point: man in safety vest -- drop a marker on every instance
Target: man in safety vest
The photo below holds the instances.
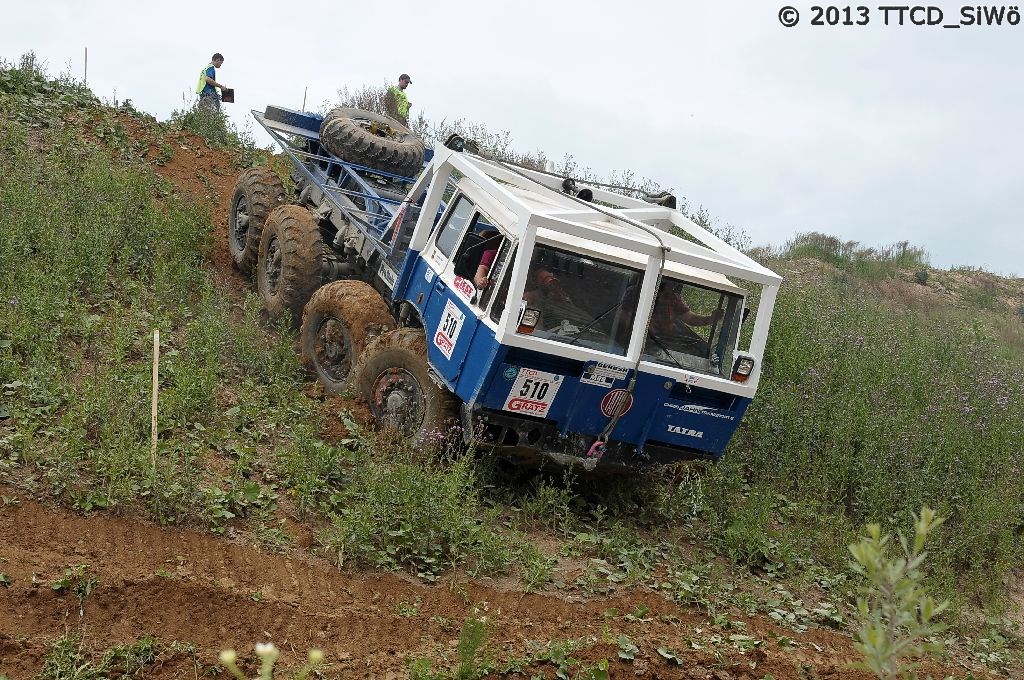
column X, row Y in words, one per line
column 207, row 86
column 398, row 103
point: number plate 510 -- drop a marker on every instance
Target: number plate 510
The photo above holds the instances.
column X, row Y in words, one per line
column 532, row 392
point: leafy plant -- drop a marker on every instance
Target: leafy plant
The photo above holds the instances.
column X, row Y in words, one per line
column 268, row 655
column 409, row 609
column 897, row 615
column 68, row 660
column 396, row 513
column 627, row 649
column 77, row 580
column 470, row 666
column 218, row 132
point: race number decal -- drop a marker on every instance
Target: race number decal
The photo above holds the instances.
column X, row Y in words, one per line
column 532, row 392
column 448, row 332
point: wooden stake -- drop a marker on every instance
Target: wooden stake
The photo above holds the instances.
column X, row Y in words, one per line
column 156, row 385
column 85, row 77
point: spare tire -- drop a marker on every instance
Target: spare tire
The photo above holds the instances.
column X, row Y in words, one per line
column 372, row 139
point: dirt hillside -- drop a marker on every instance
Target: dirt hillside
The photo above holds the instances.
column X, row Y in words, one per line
column 211, row 593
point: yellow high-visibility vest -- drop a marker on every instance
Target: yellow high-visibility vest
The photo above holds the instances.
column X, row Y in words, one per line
column 401, row 101
column 202, row 78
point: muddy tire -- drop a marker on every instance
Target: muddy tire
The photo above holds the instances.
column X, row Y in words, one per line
column 337, row 324
column 290, row 262
column 392, row 376
column 257, row 192
column 372, row 139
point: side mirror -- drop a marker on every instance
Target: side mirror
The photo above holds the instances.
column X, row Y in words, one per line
column 746, row 313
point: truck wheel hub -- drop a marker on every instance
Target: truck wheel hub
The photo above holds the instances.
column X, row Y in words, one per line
column 333, row 349
column 397, row 401
column 241, row 231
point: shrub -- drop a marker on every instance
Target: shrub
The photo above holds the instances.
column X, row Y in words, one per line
column 865, row 261
column 865, row 412
column 896, row 614
column 219, row 133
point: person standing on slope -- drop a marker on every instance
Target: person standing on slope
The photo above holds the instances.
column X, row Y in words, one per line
column 206, row 88
column 398, row 102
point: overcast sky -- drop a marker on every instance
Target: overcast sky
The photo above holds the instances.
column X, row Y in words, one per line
column 871, row 133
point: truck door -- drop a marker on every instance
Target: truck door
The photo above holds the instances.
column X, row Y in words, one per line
column 449, row 316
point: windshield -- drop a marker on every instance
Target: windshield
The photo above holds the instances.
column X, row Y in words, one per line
column 582, row 301
column 693, row 327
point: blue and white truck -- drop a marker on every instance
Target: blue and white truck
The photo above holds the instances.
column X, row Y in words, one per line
column 545, row 318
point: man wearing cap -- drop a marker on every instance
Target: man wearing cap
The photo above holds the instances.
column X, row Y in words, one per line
column 399, row 103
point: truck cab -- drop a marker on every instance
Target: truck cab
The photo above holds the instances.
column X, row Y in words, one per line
column 607, row 330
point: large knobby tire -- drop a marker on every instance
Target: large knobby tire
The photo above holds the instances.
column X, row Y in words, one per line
column 257, row 192
column 391, row 374
column 372, row 139
column 339, row 321
column 290, row 263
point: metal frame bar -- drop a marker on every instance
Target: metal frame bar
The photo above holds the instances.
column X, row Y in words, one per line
column 388, row 206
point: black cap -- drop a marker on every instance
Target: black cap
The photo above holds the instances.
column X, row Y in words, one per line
column 405, row 76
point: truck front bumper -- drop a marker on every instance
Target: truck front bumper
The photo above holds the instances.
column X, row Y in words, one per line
column 532, row 441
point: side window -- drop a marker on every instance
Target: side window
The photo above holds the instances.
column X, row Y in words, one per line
column 478, row 248
column 502, row 276
column 453, row 227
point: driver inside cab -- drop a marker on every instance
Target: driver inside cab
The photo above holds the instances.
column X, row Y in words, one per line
column 558, row 312
column 673, row 317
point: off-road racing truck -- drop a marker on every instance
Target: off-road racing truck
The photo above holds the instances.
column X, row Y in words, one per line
column 602, row 329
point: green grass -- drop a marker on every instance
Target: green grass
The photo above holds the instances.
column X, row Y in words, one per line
column 85, row 281
column 68, row 660
column 866, row 262
column 400, row 513
column 94, row 255
column 220, row 133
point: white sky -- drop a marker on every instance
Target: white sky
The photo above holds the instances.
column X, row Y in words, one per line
column 871, row 133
